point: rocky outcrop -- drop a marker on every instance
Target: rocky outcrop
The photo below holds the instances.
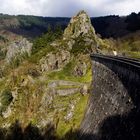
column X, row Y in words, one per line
column 70, row 111
column 64, row 88
column 78, row 38
column 79, row 25
column 66, row 92
column 54, row 61
column 57, row 83
column 80, row 32
column 17, row 49
column 80, row 69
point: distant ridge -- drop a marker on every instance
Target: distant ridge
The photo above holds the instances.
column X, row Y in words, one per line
column 32, row 26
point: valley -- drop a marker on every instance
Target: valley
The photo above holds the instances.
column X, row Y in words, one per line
column 46, row 71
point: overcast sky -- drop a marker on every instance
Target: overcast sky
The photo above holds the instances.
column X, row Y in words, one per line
column 69, row 8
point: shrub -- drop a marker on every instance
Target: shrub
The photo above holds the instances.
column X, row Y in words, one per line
column 44, row 41
column 5, row 99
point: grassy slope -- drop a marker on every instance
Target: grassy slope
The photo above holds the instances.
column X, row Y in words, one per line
column 29, row 97
column 130, row 45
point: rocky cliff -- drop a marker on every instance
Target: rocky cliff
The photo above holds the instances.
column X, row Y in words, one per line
column 78, row 38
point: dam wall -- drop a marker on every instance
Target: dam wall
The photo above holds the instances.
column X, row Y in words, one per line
column 113, row 111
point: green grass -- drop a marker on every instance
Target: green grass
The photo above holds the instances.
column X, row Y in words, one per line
column 61, row 75
column 130, row 46
column 41, row 53
column 66, row 74
column 63, row 126
column 134, row 54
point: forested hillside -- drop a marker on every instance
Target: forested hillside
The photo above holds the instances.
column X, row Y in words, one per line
column 32, row 26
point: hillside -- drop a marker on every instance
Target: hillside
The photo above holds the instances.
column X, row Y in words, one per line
column 45, row 78
column 114, row 28
column 45, row 85
column 32, row 26
column 129, row 45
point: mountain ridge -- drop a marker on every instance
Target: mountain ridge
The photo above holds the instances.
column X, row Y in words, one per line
column 107, row 26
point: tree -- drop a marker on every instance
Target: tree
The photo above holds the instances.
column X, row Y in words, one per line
column 47, row 38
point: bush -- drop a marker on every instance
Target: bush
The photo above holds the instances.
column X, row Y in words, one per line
column 2, row 54
column 5, row 99
column 33, row 72
column 44, row 41
column 17, row 60
column 135, row 46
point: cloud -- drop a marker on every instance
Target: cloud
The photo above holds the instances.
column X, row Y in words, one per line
column 69, row 7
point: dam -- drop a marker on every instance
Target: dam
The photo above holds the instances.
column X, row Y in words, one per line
column 113, row 110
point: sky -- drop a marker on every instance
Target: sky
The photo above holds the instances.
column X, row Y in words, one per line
column 68, row 8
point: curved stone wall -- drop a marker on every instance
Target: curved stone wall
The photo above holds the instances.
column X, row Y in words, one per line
column 113, row 111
